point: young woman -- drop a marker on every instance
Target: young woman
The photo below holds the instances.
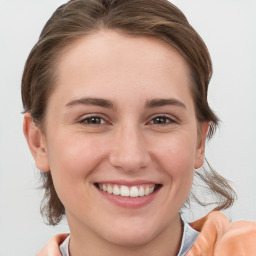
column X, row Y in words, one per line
column 116, row 118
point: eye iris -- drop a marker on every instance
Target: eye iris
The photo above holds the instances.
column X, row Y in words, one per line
column 94, row 120
column 160, row 120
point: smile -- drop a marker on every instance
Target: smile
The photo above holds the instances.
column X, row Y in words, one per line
column 128, row 191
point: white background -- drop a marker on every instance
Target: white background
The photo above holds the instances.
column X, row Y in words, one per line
column 229, row 30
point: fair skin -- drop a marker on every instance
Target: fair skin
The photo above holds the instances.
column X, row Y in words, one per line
column 122, row 114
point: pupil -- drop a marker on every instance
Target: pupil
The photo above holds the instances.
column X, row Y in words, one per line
column 160, row 120
column 95, row 120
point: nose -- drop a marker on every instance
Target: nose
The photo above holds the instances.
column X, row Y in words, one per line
column 129, row 151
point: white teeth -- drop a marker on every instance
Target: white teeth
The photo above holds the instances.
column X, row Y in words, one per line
column 125, row 191
column 109, row 189
column 141, row 191
column 116, row 190
column 134, row 191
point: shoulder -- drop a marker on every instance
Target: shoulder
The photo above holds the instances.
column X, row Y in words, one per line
column 238, row 239
column 220, row 237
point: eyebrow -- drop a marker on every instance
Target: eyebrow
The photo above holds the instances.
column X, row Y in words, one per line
column 163, row 102
column 91, row 101
column 109, row 104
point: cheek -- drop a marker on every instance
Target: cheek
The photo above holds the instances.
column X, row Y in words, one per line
column 72, row 159
column 180, row 170
column 175, row 158
column 76, row 154
column 177, row 155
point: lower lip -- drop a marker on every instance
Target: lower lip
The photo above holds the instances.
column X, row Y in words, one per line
column 129, row 202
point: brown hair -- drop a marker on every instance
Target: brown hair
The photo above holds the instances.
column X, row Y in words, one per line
column 155, row 18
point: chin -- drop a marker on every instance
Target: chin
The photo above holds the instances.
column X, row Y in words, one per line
column 131, row 237
column 130, row 240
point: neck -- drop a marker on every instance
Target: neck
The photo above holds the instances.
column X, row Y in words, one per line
column 86, row 242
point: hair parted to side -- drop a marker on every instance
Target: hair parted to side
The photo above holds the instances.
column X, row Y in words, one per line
column 154, row 18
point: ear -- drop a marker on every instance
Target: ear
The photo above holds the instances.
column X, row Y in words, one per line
column 199, row 161
column 36, row 143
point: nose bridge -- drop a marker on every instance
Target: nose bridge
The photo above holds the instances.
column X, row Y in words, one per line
column 129, row 151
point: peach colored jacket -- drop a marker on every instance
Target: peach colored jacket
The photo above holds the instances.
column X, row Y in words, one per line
column 219, row 237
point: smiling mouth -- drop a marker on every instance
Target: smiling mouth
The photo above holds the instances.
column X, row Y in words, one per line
column 128, row 191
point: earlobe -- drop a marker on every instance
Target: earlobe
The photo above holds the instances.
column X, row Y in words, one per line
column 36, row 143
column 199, row 161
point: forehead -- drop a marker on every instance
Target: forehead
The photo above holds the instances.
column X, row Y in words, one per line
column 117, row 46
column 107, row 61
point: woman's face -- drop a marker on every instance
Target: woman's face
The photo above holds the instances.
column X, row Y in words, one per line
column 122, row 119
